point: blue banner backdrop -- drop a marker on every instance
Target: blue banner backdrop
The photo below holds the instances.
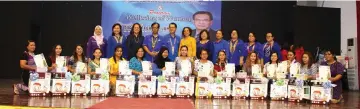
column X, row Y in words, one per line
column 164, row 12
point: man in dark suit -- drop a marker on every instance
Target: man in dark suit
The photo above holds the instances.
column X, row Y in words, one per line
column 203, row 21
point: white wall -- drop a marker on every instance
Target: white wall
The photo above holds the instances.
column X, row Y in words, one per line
column 348, row 19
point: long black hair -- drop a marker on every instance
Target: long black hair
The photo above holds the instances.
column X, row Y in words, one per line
column 53, row 53
column 132, row 29
column 121, row 57
column 160, row 60
column 116, row 24
column 82, row 54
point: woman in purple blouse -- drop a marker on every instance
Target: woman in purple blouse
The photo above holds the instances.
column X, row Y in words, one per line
column 204, row 43
column 96, row 41
column 336, row 69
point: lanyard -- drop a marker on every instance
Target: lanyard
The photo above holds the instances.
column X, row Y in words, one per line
column 153, row 43
column 233, row 45
column 172, row 45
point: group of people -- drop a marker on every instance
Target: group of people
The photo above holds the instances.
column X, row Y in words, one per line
column 159, row 49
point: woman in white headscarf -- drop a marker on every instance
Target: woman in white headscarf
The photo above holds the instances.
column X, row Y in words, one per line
column 96, row 41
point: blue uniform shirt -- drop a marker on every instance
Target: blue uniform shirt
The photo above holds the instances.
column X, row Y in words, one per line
column 221, row 45
column 171, row 42
column 267, row 50
column 112, row 43
column 238, row 51
column 148, row 43
column 257, row 47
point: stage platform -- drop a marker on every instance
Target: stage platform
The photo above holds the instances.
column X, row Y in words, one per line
column 8, row 100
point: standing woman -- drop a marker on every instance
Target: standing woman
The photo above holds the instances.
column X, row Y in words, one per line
column 78, row 56
column 96, row 41
column 134, row 40
column 220, row 62
column 269, row 46
column 336, row 69
column 252, row 45
column 219, row 45
column 237, row 50
column 204, row 43
column 114, row 62
column 251, row 60
column 308, row 66
column 159, row 62
column 51, row 61
column 95, row 61
column 184, row 57
column 115, row 39
column 27, row 65
column 189, row 42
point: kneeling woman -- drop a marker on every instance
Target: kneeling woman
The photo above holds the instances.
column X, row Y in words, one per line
column 336, row 69
column 136, row 66
column 27, row 65
column 114, row 62
column 159, row 63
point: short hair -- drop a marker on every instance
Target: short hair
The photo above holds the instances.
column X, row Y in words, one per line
column 203, row 12
column 155, row 24
column 207, row 33
column 172, row 23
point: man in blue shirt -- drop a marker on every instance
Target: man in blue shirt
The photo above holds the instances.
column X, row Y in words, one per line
column 172, row 41
column 269, row 46
column 152, row 43
column 220, row 44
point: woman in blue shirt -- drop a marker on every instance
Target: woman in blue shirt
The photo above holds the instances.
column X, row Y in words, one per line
column 219, row 45
column 252, row 45
column 114, row 40
column 269, row 46
column 204, row 43
column 236, row 50
column 159, row 63
column 135, row 62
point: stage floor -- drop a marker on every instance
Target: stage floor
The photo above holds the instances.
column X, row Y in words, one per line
column 351, row 101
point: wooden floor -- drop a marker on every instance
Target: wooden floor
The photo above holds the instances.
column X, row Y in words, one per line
column 351, row 101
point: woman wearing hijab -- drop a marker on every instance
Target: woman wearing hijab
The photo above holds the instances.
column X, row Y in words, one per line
column 96, row 41
column 159, row 62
